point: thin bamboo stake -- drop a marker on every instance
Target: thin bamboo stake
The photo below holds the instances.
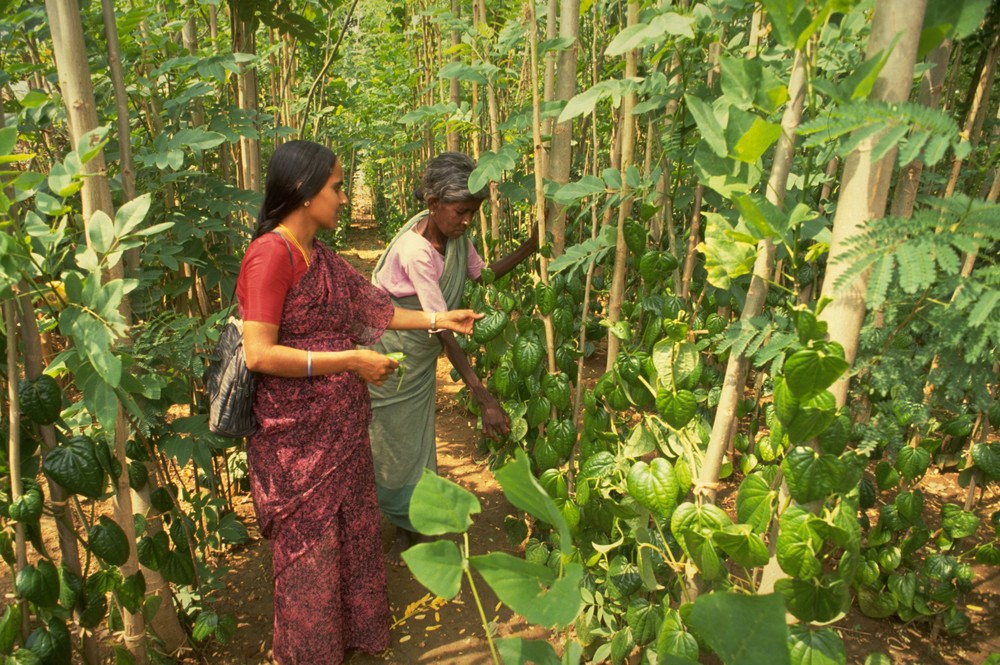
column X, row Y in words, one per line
column 617, row 292
column 14, row 453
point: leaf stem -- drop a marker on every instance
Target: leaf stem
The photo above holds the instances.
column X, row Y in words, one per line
column 479, row 604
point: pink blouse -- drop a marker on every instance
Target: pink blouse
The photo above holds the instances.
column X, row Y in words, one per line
column 414, row 267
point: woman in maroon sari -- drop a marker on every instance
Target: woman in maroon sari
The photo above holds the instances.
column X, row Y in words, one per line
column 305, row 311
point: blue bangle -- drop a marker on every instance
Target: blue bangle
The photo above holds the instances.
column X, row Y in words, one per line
column 309, row 364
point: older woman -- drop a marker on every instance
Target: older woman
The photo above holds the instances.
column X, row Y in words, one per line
column 305, row 311
column 424, row 268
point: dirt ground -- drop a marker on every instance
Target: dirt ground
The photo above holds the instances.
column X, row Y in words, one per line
column 426, row 630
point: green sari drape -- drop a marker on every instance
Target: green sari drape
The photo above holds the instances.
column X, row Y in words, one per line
column 402, row 427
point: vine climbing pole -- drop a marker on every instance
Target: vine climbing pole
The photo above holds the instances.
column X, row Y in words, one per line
column 78, row 95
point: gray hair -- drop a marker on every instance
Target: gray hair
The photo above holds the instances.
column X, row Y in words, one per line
column 447, row 177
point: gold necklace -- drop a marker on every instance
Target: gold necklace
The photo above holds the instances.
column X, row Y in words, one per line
column 295, row 241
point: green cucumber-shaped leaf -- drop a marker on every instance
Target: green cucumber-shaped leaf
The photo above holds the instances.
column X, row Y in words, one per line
column 431, row 493
column 531, row 590
column 644, row 618
column 755, row 503
column 743, row 545
column 108, row 541
column 76, row 467
column 438, row 566
column 654, row 486
column 39, row 583
column 762, row 638
column 811, row 371
column 912, row 462
column 677, row 408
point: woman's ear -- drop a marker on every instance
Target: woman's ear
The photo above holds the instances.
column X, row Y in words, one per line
column 432, row 202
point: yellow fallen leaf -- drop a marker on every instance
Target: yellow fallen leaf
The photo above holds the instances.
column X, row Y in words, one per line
column 420, row 617
column 974, row 608
column 430, row 628
column 404, row 638
column 437, row 617
column 497, row 608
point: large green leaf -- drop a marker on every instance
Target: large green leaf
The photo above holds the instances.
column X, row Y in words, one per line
column 674, row 645
column 437, row 565
column 730, row 251
column 755, row 502
column 644, row 618
column 987, row 457
column 38, row 583
column 912, row 462
column 811, row 476
column 654, row 32
column 820, row 599
column 532, row 590
column 958, row 523
column 571, row 192
column 584, row 102
column 708, row 124
column 758, row 634
column 768, row 219
column 816, row 646
column 131, row 214
column 678, row 365
column 491, row 166
column 811, row 371
column 108, row 541
column 798, row 543
column 744, row 546
column 431, row 495
column 75, row 467
column 654, row 486
column 677, row 408
column 803, row 419
column 756, row 140
column 876, row 604
column 524, row 492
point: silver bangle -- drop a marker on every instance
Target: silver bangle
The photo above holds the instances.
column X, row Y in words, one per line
column 309, row 364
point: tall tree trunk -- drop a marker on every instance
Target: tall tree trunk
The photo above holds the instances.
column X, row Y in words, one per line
column 78, row 95
column 165, row 622
column 617, row 293
column 739, row 364
column 560, row 157
column 865, row 185
column 243, row 28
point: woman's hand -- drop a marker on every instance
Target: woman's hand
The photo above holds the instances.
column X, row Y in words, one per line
column 458, row 320
column 496, row 422
column 373, row 367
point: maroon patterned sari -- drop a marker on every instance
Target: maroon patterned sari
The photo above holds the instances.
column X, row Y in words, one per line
column 312, row 478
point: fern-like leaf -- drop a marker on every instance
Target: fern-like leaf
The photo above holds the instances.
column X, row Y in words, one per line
column 919, row 131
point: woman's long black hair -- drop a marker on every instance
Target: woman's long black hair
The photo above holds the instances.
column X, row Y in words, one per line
column 298, row 170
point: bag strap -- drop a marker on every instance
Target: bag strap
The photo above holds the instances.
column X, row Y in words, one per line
column 291, row 261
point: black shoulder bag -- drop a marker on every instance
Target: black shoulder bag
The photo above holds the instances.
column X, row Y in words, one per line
column 229, row 384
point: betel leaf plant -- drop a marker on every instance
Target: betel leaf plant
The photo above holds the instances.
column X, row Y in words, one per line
column 546, row 595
